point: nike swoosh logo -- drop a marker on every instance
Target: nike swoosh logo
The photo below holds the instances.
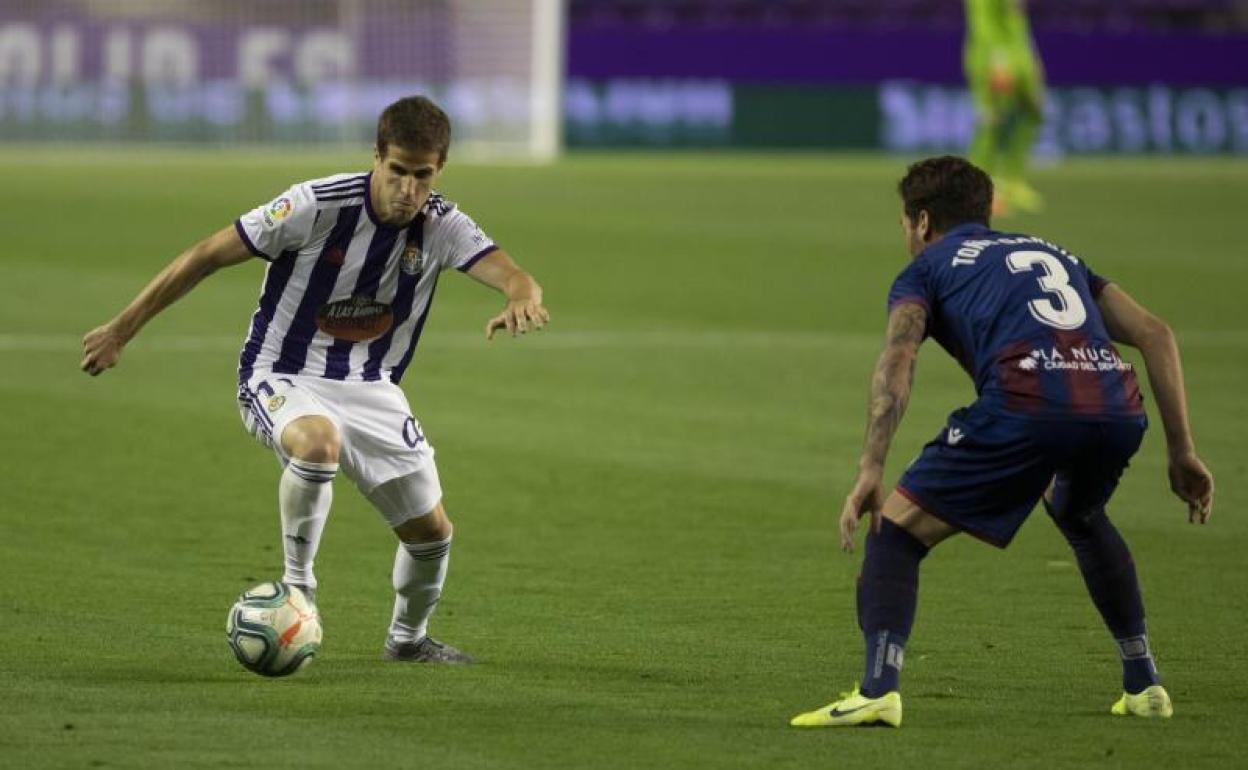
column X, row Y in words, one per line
column 839, row 713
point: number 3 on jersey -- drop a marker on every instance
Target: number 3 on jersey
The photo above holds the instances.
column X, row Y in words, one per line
column 1066, row 313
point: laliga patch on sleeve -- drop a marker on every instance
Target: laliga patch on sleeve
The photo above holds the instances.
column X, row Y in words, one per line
column 277, row 211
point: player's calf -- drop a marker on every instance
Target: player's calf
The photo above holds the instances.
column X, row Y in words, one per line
column 421, row 561
column 1109, row 574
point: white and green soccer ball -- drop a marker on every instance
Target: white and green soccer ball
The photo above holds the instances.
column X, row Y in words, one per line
column 273, row 629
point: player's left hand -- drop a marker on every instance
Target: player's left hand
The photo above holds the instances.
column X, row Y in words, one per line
column 867, row 496
column 518, row 317
column 101, row 347
column 1192, row 482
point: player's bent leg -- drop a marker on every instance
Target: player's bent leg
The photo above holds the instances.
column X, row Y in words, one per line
column 430, row 527
column 887, row 598
column 313, row 438
column 921, row 525
column 888, row 588
column 420, row 566
column 1109, row 573
column 310, row 445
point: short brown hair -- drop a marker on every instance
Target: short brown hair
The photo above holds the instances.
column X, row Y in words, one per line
column 414, row 123
column 950, row 189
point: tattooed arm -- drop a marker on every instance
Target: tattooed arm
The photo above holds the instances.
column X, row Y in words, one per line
column 890, row 392
column 890, row 385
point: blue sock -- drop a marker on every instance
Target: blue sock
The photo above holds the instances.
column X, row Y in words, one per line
column 887, row 594
column 1138, row 669
column 1109, row 573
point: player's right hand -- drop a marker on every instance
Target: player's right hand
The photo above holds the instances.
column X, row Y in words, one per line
column 101, row 347
column 867, row 496
column 1193, row 483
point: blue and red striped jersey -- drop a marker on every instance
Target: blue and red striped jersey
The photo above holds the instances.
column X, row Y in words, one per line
column 1020, row 315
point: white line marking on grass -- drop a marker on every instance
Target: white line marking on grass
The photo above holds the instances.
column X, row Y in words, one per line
column 569, row 340
column 584, row 340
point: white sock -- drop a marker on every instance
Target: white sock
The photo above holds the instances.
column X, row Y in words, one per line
column 419, row 572
column 304, row 495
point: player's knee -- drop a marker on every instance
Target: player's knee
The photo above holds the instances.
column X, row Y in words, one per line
column 313, row 438
column 1075, row 523
column 426, row 527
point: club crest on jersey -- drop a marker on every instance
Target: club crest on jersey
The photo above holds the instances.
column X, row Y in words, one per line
column 358, row 318
column 277, row 211
column 276, row 402
column 413, row 260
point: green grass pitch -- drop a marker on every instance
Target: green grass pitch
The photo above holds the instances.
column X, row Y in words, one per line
column 645, row 495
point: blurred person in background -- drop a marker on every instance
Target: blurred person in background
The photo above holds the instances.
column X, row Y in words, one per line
column 1006, row 80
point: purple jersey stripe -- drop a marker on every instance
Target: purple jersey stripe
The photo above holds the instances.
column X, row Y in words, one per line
column 475, row 258
column 340, row 195
column 326, row 186
column 275, row 279
column 320, row 285
column 242, row 233
column 396, row 374
column 402, row 303
column 338, row 358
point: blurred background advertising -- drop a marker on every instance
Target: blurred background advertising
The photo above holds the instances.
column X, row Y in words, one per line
column 530, row 78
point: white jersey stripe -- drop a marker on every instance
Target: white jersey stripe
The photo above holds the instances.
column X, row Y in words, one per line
column 345, row 295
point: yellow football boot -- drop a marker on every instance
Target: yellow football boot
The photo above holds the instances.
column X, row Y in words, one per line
column 1152, row 702
column 853, row 709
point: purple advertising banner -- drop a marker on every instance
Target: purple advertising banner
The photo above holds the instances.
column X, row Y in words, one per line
column 279, row 70
column 823, row 56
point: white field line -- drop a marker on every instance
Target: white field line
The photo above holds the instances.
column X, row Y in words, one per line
column 561, row 340
column 548, row 340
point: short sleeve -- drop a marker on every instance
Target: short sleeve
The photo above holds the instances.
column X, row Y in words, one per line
column 1096, row 283
column 280, row 225
column 913, row 287
column 462, row 242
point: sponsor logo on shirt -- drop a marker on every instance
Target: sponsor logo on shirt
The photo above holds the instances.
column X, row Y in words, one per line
column 358, row 318
column 1080, row 359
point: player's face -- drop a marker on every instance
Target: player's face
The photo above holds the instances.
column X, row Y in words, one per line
column 402, row 181
column 916, row 232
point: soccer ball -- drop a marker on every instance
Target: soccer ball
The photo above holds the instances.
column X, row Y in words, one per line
column 273, row 629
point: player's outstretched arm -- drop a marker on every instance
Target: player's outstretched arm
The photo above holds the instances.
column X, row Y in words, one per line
column 102, row 346
column 890, row 393
column 1130, row 323
column 524, row 309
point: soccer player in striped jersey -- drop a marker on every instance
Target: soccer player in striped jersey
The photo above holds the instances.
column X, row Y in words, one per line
column 1058, row 416
column 353, row 261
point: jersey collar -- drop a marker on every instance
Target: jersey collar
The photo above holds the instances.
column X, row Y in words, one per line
column 968, row 228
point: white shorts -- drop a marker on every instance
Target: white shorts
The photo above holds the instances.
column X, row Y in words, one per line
column 381, row 440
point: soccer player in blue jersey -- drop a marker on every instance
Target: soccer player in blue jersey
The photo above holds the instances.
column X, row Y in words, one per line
column 1057, row 418
column 353, row 261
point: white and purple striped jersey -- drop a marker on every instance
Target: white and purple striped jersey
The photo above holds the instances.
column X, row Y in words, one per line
column 345, row 296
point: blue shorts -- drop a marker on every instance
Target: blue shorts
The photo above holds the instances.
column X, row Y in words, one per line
column 984, row 473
